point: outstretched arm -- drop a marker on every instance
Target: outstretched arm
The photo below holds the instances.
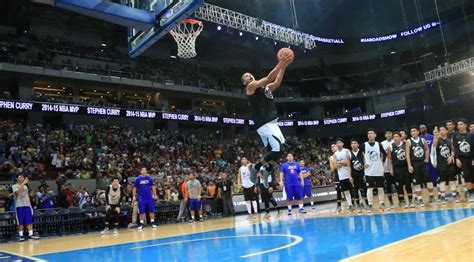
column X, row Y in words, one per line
column 275, row 84
column 266, row 80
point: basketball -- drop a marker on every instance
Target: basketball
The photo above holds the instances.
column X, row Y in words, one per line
column 286, row 54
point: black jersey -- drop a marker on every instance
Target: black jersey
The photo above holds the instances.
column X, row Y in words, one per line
column 357, row 163
column 462, row 144
column 399, row 158
column 417, row 150
column 443, row 152
column 262, row 106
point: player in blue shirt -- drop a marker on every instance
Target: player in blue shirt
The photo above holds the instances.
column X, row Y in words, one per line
column 146, row 197
column 306, row 174
column 290, row 172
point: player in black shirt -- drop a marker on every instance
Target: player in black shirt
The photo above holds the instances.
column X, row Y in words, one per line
column 265, row 115
column 397, row 164
column 471, row 128
column 357, row 167
column 462, row 143
column 418, row 153
column 445, row 163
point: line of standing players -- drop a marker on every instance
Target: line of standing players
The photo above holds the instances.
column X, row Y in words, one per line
column 402, row 166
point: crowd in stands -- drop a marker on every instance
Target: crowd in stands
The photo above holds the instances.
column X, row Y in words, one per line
column 104, row 152
column 60, row 53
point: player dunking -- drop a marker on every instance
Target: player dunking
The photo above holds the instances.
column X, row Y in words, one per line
column 264, row 113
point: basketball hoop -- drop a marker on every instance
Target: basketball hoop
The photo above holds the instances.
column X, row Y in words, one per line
column 185, row 34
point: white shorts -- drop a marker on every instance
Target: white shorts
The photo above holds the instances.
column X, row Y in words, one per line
column 271, row 136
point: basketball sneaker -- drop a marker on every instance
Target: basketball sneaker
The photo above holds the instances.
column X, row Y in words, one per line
column 405, row 204
column 471, row 198
column 34, row 237
column 154, row 225
column 200, row 220
column 412, row 204
column 338, row 209
column 140, row 228
column 444, row 200
column 351, row 209
column 115, row 231
column 431, row 202
column 382, row 207
column 267, row 215
column 21, row 238
column 370, row 208
column 421, row 203
column 302, row 211
column 457, row 199
column 289, row 212
column 105, row 231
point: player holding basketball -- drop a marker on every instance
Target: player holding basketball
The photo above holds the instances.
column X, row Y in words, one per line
column 146, row 197
column 290, row 173
column 264, row 111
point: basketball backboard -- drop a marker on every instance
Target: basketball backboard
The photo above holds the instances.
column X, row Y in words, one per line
column 168, row 14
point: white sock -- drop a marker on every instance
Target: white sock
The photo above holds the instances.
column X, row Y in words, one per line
column 141, row 222
column 442, row 188
column 381, row 194
column 300, row 205
column 312, row 203
column 452, row 186
column 430, row 188
column 249, row 207
column 254, row 204
column 370, row 195
column 348, row 197
column 20, row 233
column 30, row 233
column 152, row 220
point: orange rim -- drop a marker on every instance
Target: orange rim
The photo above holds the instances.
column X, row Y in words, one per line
column 191, row 21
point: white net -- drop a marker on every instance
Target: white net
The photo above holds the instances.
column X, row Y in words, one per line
column 185, row 34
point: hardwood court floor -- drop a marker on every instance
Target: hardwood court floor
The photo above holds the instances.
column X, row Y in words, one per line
column 445, row 233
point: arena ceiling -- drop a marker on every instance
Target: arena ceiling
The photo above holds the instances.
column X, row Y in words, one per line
column 352, row 18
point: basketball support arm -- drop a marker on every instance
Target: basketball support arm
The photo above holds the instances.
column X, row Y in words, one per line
column 257, row 26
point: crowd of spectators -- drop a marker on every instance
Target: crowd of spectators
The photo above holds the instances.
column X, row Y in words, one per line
column 104, row 152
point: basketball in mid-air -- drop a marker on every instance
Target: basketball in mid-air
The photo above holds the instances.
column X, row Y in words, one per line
column 286, row 54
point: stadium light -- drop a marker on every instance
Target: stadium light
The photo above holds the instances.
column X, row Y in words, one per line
column 219, row 28
column 241, row 34
column 256, row 38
